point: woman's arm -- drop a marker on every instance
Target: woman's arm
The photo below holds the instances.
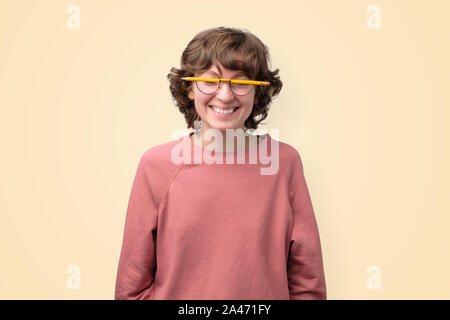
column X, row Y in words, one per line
column 305, row 266
column 137, row 264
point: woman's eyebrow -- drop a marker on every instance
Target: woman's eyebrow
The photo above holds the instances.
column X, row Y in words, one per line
column 239, row 73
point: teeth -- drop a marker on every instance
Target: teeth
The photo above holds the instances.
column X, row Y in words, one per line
column 222, row 111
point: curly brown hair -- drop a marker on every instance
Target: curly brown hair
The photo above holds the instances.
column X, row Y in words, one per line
column 235, row 49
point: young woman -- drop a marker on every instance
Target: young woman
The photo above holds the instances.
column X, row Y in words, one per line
column 218, row 230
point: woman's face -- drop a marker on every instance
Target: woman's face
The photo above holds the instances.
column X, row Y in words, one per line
column 223, row 99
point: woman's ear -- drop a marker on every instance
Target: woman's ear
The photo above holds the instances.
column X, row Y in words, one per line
column 191, row 94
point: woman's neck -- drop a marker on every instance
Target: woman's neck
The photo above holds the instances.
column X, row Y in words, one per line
column 199, row 139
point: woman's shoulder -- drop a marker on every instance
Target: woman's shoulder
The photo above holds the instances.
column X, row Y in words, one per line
column 160, row 154
column 287, row 152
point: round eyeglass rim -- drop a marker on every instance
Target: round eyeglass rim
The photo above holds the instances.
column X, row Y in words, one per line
column 218, row 87
column 220, row 83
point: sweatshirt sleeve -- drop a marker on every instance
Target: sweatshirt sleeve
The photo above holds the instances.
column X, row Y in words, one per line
column 306, row 279
column 137, row 263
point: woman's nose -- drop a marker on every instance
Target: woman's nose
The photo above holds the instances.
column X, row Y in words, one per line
column 225, row 91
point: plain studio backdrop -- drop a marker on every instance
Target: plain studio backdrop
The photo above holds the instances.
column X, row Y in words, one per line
column 365, row 101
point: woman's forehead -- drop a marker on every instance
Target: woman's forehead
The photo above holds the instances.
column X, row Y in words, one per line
column 232, row 73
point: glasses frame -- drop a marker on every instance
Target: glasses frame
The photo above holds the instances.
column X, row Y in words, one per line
column 229, row 81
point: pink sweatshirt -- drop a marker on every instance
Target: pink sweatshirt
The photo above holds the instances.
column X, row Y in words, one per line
column 219, row 231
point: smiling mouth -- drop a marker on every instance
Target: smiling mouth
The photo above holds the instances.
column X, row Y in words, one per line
column 223, row 111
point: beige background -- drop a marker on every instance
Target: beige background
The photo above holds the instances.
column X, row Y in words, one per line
column 368, row 110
